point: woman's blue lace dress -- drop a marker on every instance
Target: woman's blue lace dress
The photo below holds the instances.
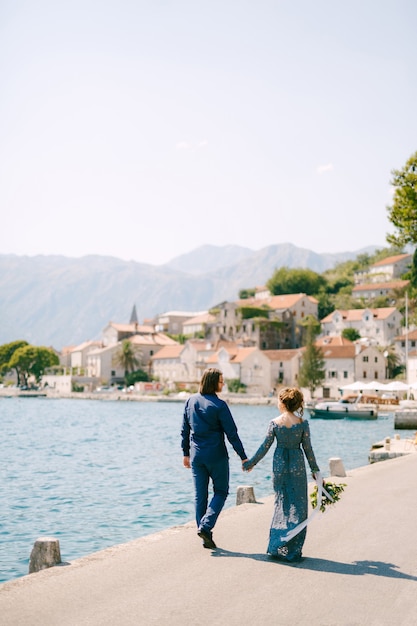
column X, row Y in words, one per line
column 290, row 484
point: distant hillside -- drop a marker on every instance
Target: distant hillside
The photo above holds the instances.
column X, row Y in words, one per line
column 59, row 301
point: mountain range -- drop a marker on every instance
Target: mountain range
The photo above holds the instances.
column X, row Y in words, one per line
column 59, row 301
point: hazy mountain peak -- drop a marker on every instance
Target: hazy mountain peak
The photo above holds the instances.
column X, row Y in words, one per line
column 59, row 301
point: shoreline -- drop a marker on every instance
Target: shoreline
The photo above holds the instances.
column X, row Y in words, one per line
column 136, row 397
column 130, row 397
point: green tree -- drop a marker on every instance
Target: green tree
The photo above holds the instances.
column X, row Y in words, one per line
column 285, row 280
column 32, row 361
column 413, row 272
column 403, row 212
column 6, row 352
column 394, row 365
column 312, row 370
column 244, row 294
column 138, row 376
column 351, row 333
column 128, row 357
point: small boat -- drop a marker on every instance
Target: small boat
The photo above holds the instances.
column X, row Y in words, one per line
column 346, row 408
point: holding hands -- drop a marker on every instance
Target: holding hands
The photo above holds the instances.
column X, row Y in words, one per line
column 246, row 467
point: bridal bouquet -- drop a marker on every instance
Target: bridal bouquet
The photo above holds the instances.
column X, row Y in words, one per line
column 333, row 490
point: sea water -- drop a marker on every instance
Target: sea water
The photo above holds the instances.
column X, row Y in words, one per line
column 96, row 473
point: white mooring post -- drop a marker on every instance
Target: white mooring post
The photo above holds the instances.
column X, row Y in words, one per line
column 45, row 553
column 336, row 467
column 245, row 494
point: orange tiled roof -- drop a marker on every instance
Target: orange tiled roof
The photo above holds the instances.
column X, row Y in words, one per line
column 355, row 315
column 412, row 334
column 169, row 352
column 132, row 328
column 391, row 260
column 158, row 339
column 392, row 284
column 285, row 301
column 333, row 341
column 282, row 355
column 200, row 319
column 243, row 354
column 338, row 352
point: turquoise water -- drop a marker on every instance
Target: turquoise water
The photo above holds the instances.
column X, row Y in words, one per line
column 96, row 473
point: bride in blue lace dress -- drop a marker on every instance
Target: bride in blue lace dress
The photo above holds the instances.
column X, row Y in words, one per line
column 292, row 436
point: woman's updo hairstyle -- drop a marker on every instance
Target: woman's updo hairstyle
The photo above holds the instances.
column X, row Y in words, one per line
column 292, row 399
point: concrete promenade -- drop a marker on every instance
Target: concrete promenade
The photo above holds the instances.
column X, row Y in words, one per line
column 360, row 569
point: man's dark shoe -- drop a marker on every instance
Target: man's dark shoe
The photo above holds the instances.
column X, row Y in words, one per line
column 207, row 538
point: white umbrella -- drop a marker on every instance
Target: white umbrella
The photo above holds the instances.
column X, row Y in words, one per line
column 397, row 385
column 356, row 386
column 375, row 385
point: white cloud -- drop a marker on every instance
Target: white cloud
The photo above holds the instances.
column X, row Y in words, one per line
column 183, row 145
column 186, row 145
column 322, row 169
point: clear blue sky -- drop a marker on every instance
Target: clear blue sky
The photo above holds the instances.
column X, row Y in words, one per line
column 144, row 129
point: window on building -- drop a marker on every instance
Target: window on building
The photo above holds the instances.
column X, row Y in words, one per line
column 376, row 359
column 364, row 375
column 365, row 359
column 376, row 375
column 345, row 375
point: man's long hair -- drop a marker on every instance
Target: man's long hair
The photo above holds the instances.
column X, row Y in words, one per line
column 210, row 381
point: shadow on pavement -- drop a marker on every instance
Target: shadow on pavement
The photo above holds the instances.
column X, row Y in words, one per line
column 357, row 568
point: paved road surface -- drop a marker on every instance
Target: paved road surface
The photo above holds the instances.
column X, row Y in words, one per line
column 360, row 568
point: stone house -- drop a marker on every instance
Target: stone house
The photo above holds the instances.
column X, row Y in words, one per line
column 346, row 362
column 197, row 325
column 185, row 364
column 386, row 270
column 78, row 355
column 270, row 323
column 249, row 365
column 405, row 344
column 285, row 365
column 114, row 333
column 173, row 322
column 147, row 346
column 379, row 326
column 370, row 364
column 339, row 363
column 101, row 365
column 102, row 362
column 375, row 290
column 168, row 367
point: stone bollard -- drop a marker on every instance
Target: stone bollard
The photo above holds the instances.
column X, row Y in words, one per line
column 245, row 494
column 45, row 553
column 387, row 444
column 336, row 467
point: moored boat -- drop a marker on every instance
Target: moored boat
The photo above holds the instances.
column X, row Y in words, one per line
column 346, row 408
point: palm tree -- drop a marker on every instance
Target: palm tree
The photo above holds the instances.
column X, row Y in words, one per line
column 128, row 357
